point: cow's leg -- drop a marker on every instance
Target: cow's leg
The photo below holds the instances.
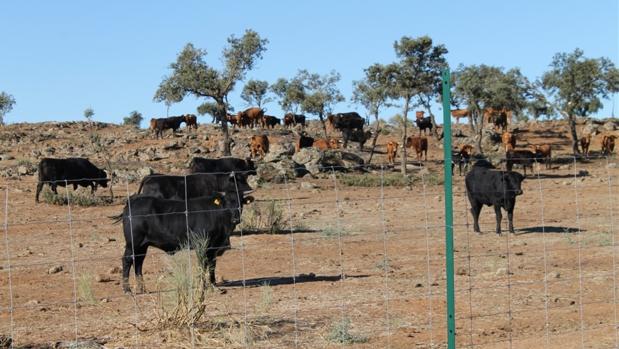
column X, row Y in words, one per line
column 510, row 219
column 425, row 154
column 39, row 187
column 140, row 255
column 127, row 262
column 475, row 211
column 211, row 263
column 499, row 217
column 54, row 187
column 74, row 186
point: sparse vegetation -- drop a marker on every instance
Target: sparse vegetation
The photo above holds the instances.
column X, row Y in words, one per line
column 331, row 232
column 134, row 119
column 260, row 216
column 389, row 180
column 340, row 333
column 84, row 289
column 266, row 299
column 75, row 197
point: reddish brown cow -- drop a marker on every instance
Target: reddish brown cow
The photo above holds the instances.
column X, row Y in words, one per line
column 259, row 145
column 466, row 150
column 323, row 144
column 608, row 144
column 585, row 142
column 459, row 113
column 543, row 151
column 250, row 117
column 231, row 118
column 191, row 121
column 153, row 124
column 420, row 144
column 392, row 150
column 508, row 140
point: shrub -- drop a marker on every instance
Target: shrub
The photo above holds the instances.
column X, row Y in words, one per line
column 263, row 216
column 84, row 289
column 340, row 333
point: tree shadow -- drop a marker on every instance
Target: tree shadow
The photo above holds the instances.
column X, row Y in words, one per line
column 548, row 229
column 288, row 280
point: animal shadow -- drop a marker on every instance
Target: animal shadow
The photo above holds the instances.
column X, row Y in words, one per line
column 548, row 229
column 287, row 280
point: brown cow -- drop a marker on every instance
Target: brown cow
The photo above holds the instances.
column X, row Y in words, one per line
column 323, row 144
column 585, row 142
column 466, row 150
column 608, row 144
column 231, row 118
column 420, row 144
column 392, row 150
column 191, row 121
column 153, row 124
column 419, row 115
column 250, row 117
column 460, row 113
column 259, row 145
column 508, row 140
column 543, row 151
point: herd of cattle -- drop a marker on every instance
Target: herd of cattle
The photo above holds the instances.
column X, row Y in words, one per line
column 171, row 212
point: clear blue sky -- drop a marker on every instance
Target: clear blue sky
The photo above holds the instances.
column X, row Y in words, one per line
column 60, row 57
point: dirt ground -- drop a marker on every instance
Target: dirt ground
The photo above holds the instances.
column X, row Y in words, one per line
column 367, row 261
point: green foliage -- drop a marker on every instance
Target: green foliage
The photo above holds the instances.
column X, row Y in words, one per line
column 134, row 119
column 373, row 91
column 6, row 105
column 255, row 93
column 340, row 333
column 89, row 113
column 388, row 180
column 576, row 83
column 291, row 93
column 398, row 121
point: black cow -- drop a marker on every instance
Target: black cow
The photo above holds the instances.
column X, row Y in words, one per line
column 346, row 121
column 423, row 124
column 356, row 136
column 525, row 158
column 487, row 186
column 76, row 171
column 150, row 221
column 195, row 185
column 162, row 124
column 222, row 165
column 291, row 120
column 271, row 121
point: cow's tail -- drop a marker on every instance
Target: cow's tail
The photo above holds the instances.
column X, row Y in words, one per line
column 116, row 219
column 142, row 184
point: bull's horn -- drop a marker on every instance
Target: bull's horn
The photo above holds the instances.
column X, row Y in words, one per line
column 247, row 192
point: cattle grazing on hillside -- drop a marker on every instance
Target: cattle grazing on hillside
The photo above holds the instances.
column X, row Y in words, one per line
column 543, row 152
column 271, row 121
column 608, row 144
column 490, row 115
column 392, row 150
column 487, row 186
column 231, row 118
column 500, row 121
column 191, row 121
column 222, row 166
column 250, row 117
column 291, row 120
column 304, row 141
column 193, row 185
column 423, row 124
column 525, row 158
column 162, row 124
column 71, row 171
column 509, row 141
column 259, row 145
column 354, row 135
column 346, row 121
column 420, row 145
column 171, row 225
column 585, row 142
column 460, row 113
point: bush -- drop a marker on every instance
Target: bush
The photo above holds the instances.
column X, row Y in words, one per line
column 76, row 198
column 340, row 333
column 134, row 119
column 84, row 289
column 263, row 216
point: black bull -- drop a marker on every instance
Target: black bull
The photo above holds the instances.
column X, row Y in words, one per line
column 488, row 186
column 204, row 224
column 71, row 171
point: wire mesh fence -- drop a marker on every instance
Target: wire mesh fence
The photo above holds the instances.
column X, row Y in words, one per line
column 328, row 262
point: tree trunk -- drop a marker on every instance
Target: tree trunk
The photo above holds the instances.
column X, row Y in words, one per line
column 224, row 128
column 376, row 131
column 479, row 131
column 572, row 122
column 405, row 121
column 324, row 126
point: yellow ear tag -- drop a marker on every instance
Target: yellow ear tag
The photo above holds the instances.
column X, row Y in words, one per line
column 217, row 201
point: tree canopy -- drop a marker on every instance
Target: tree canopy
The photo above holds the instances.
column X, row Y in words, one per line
column 89, row 113
column 134, row 119
column 191, row 75
column 255, row 93
column 291, row 93
column 6, row 105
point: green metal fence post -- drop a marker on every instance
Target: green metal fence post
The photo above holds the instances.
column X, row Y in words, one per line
column 449, row 251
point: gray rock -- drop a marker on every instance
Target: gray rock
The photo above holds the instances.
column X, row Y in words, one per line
column 307, row 155
column 145, row 171
column 279, row 151
column 612, row 165
column 609, row 126
column 22, row 170
column 308, row 185
column 55, row 269
column 591, row 129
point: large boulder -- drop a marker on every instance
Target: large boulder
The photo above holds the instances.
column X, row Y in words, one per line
column 279, row 151
column 591, row 129
column 278, row 172
column 341, row 161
